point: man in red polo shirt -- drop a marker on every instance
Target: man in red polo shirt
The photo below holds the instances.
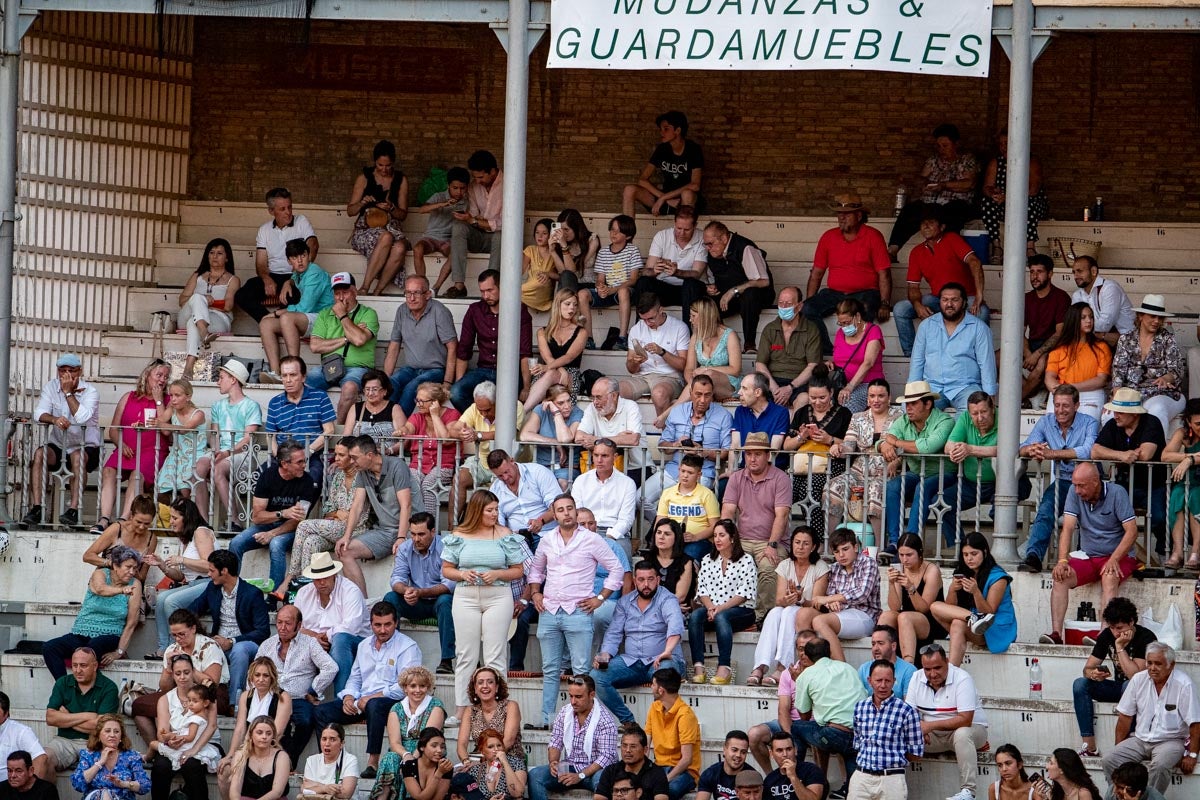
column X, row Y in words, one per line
column 856, row 257
column 943, row 257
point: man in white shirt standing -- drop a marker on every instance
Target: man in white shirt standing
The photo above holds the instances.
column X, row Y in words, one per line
column 1111, row 307
column 69, row 406
column 951, row 714
column 1163, row 700
column 657, row 354
column 673, row 252
column 611, row 496
column 373, row 687
column 611, row 416
column 15, row 736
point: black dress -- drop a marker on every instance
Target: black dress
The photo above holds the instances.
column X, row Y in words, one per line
column 557, row 351
column 812, row 486
column 936, row 631
column 255, row 785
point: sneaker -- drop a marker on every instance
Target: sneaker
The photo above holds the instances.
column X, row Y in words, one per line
column 591, row 344
column 1090, row 641
column 100, row 525
column 622, row 343
column 1088, row 752
column 1031, row 564
column 455, row 293
column 451, row 722
column 1053, row 637
column 839, row 794
column 889, row 554
column 33, row 518
column 269, row 376
column 445, row 667
column 610, row 340
column 369, row 773
column 979, row 624
column 964, row 794
column 70, row 517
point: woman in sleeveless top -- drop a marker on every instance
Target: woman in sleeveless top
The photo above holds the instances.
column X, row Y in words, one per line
column 188, row 570
column 912, row 589
column 676, row 572
column 1184, row 506
column 995, row 184
column 380, row 195
column 206, row 302
column 107, row 616
column 260, row 769
column 538, row 273
column 376, row 415
column 560, row 345
column 715, row 350
column 134, row 533
column 185, row 469
column 1013, row 783
column 140, row 447
column 263, row 698
column 490, row 708
column 574, row 248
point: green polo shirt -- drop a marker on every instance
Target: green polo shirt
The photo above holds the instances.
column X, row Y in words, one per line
column 829, row 689
column 327, row 326
column 965, row 431
column 932, row 439
column 102, row 699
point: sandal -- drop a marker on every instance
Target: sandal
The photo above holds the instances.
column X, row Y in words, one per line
column 1175, row 561
column 755, row 678
column 1193, row 562
column 770, row 680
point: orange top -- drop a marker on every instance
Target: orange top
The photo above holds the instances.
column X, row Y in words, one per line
column 1080, row 363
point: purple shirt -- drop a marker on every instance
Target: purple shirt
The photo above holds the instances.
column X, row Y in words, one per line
column 480, row 326
column 566, row 569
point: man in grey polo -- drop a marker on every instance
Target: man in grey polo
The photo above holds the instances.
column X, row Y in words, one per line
column 387, row 484
column 426, row 329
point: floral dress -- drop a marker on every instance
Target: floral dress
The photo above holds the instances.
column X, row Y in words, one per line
column 319, row 535
column 178, row 470
column 410, row 731
column 1130, row 369
column 867, row 475
column 129, row 767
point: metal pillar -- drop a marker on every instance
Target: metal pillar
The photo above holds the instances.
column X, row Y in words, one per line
column 516, row 122
column 10, row 66
column 1012, row 325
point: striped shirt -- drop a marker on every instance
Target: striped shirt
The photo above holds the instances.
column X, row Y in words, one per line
column 303, row 419
column 886, row 735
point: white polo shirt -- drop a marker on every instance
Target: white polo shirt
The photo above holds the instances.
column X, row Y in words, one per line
column 626, row 419
column 274, row 240
column 1161, row 716
column 15, row 736
column 672, row 336
column 956, row 696
column 691, row 256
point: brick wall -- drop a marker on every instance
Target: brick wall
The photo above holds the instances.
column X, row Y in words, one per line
column 1114, row 114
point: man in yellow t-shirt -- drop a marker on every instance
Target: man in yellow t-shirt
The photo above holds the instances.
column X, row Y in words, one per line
column 674, row 733
column 692, row 505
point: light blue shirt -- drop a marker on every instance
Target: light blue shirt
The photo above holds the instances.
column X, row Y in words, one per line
column 316, row 290
column 1080, row 437
column 644, row 633
column 952, row 363
column 420, row 571
column 537, row 489
column 377, row 670
column 904, row 673
column 232, row 420
column 714, row 432
column 602, row 572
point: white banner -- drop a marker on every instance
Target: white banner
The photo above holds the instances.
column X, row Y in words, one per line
column 936, row 37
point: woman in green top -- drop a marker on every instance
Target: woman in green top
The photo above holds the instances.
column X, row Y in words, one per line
column 108, row 616
column 483, row 557
column 1184, row 507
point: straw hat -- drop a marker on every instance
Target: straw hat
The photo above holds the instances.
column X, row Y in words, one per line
column 917, row 390
column 757, row 441
column 1126, row 401
column 322, row 565
column 848, row 201
column 1155, row 305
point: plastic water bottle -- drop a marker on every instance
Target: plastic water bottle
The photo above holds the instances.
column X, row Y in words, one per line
column 1035, row 680
column 901, row 199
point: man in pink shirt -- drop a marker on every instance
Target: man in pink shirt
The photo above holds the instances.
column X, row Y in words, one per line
column 856, row 257
column 561, row 577
column 477, row 230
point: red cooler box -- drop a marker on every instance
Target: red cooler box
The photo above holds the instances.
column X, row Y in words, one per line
column 1075, row 631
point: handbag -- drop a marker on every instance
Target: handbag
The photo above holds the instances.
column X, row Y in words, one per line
column 376, row 217
column 333, row 366
column 837, row 375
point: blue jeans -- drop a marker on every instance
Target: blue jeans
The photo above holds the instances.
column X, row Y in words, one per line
column 279, row 547
column 57, row 652
column 678, row 787
column 827, row 738
column 315, row 379
column 906, row 316
column 556, row 631
column 1049, row 508
column 405, row 382
column 342, row 649
column 424, row 609
column 462, row 393
column 902, row 491
column 169, row 602
column 973, row 494
column 1085, row 692
column 519, row 643
column 731, row 619
column 958, row 400
column 542, row 783
column 240, row 656
column 375, row 715
column 620, row 674
column 299, row 729
column 601, row 619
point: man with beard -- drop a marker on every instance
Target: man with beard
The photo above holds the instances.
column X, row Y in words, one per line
column 650, row 624
column 481, row 328
column 954, row 352
column 1045, row 307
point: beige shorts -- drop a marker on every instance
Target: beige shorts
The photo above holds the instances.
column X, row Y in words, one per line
column 65, row 752
column 480, row 474
column 642, row 385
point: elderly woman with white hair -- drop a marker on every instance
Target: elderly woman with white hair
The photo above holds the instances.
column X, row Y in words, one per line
column 1148, row 359
column 477, row 428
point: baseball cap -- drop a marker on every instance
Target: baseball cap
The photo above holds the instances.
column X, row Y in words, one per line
column 342, row 279
column 465, row 785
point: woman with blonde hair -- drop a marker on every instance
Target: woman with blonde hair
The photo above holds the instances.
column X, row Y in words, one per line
column 430, row 455
column 185, row 469
column 715, row 350
column 262, row 698
column 560, row 346
column 108, row 764
column 418, row 710
column 261, row 768
column 140, row 446
column 483, row 557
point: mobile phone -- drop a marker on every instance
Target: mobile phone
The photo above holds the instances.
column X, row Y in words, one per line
column 555, row 226
column 687, row 442
column 1104, row 668
column 958, row 575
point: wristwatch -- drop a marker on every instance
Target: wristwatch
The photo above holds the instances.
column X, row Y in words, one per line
column 1189, row 755
column 600, row 597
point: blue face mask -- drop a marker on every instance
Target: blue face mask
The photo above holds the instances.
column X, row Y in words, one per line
column 849, row 330
column 787, row 314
